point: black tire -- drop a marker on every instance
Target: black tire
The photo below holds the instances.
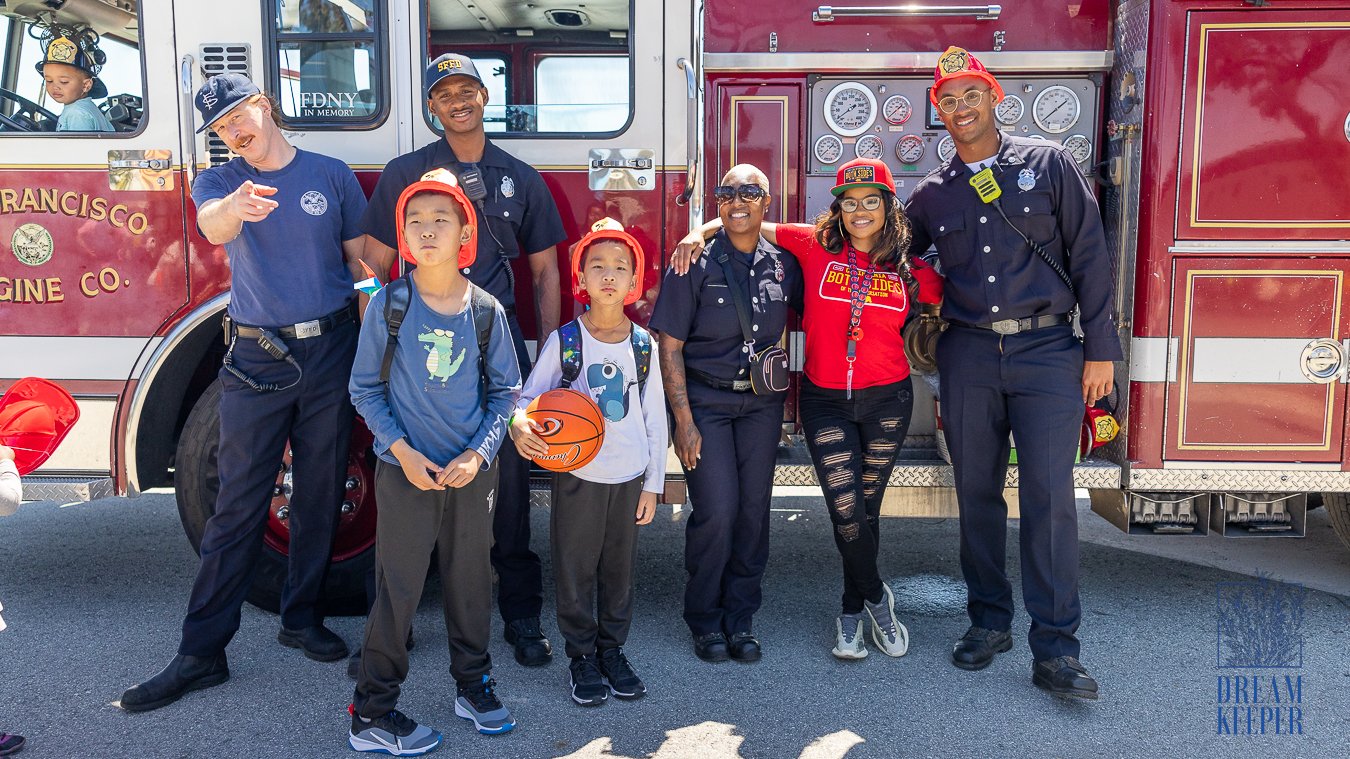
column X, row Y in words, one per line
column 1338, row 509
column 196, row 484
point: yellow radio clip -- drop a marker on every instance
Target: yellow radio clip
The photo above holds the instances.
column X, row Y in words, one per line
column 985, row 184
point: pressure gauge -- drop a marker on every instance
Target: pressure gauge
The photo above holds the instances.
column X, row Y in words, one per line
column 868, row 146
column 1056, row 109
column 1079, row 147
column 909, row 149
column 829, row 148
column 850, row 108
column 946, row 148
column 896, row 109
column 1009, row 110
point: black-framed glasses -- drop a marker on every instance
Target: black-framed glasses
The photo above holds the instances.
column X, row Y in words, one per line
column 972, row 99
column 747, row 192
column 869, row 203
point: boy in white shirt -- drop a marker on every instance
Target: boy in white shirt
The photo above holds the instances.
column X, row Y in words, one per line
column 596, row 509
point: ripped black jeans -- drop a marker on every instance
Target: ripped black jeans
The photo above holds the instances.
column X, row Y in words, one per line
column 853, row 444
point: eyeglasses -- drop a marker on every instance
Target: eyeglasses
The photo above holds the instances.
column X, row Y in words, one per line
column 746, row 192
column 971, row 99
column 869, row 203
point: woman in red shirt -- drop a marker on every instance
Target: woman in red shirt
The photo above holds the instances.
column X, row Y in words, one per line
column 856, row 398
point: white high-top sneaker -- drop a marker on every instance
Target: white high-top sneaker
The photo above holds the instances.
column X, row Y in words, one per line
column 888, row 633
column 848, row 637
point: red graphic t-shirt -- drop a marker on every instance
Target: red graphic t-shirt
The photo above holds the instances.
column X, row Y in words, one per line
column 881, row 351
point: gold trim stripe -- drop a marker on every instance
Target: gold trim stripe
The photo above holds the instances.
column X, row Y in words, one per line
column 782, row 100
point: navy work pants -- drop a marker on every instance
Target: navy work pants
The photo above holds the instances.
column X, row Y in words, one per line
column 727, row 536
column 520, row 585
column 1029, row 384
column 316, row 417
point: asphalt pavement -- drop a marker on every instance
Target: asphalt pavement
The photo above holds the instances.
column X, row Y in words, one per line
column 94, row 593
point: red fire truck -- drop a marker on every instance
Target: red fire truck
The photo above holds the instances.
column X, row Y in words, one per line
column 1209, row 127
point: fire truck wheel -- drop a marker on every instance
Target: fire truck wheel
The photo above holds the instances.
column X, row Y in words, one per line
column 196, row 482
column 1338, row 508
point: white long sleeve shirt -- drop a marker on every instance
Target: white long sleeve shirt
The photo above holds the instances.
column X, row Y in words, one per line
column 635, row 422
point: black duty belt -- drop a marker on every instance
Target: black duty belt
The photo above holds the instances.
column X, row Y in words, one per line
column 311, row 328
column 703, row 378
column 1013, row 326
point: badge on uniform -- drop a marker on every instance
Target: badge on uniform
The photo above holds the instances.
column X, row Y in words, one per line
column 1026, row 180
column 777, row 270
column 508, row 187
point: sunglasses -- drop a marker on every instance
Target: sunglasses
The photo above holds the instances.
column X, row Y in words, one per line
column 869, row 203
column 972, row 99
column 746, row 192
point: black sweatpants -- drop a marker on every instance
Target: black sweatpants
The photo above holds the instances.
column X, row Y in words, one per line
column 457, row 523
column 594, row 535
column 853, row 444
column 316, row 417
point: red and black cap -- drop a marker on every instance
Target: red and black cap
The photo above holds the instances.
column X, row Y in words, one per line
column 863, row 172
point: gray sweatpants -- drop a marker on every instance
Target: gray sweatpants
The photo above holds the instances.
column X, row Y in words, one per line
column 594, row 537
column 411, row 522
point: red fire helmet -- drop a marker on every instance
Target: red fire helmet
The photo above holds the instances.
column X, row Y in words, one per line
column 956, row 62
column 35, row 415
column 607, row 229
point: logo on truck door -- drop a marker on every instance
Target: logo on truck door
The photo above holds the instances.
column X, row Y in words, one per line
column 32, row 244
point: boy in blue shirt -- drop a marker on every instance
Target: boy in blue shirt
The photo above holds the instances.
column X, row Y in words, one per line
column 596, row 509
column 436, row 398
column 71, row 76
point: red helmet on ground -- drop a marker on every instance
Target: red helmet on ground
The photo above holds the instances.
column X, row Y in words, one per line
column 442, row 181
column 35, row 416
column 607, row 229
column 955, row 63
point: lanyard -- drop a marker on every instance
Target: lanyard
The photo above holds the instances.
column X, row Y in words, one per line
column 859, row 285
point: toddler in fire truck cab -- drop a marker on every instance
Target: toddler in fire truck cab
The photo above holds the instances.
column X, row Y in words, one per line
column 70, row 69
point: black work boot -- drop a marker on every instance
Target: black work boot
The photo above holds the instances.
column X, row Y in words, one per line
column 532, row 648
column 183, row 675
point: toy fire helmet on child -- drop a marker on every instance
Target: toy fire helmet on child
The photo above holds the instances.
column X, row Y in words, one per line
column 78, row 48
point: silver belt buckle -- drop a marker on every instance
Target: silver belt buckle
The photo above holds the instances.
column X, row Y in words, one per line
column 308, row 329
column 1006, row 327
column 741, row 386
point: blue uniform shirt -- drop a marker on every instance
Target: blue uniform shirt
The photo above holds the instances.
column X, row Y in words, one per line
column 521, row 214
column 991, row 274
column 289, row 267
column 83, row 116
column 435, row 395
column 697, row 308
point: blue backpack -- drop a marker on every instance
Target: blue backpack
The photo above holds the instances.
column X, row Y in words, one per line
column 569, row 353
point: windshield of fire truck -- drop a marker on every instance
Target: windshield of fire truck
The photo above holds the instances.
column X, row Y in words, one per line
column 549, row 68
column 28, row 29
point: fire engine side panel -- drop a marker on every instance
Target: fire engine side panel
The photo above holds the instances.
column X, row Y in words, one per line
column 744, row 26
column 1264, row 124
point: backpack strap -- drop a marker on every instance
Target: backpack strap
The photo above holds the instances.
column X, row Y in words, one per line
column 569, row 352
column 396, row 296
column 482, row 307
column 641, row 340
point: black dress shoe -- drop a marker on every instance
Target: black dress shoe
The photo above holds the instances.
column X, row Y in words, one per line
column 977, row 647
column 317, row 642
column 1064, row 676
column 183, row 675
column 532, row 649
column 744, row 647
column 711, row 647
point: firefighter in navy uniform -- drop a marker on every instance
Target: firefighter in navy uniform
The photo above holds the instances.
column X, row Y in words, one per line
column 1017, row 267
column 725, row 435
column 518, row 215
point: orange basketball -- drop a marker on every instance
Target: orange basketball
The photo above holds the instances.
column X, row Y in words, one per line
column 573, row 428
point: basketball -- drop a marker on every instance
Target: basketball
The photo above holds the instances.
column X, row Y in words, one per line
column 571, row 425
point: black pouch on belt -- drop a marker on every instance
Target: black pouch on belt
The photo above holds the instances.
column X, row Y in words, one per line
column 769, row 367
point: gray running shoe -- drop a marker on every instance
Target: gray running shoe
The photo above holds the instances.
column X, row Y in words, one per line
column 848, row 637
column 478, row 703
column 393, row 734
column 888, row 633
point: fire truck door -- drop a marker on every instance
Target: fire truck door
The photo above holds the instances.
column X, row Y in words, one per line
column 91, row 222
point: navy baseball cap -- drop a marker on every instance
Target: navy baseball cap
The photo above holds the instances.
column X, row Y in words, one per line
column 446, row 65
column 220, row 95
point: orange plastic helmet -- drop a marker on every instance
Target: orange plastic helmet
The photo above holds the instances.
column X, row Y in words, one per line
column 607, row 229
column 35, row 416
column 442, row 181
column 956, row 62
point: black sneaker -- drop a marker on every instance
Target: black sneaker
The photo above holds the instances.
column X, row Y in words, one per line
column 478, row 703
column 394, row 734
column 623, row 681
column 532, row 649
column 588, row 684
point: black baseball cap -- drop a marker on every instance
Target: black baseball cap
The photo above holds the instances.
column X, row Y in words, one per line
column 449, row 64
column 220, row 95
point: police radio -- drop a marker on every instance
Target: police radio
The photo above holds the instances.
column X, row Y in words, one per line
column 987, row 188
column 471, row 182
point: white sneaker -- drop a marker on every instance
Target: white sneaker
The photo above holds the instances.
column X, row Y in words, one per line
column 888, row 633
column 848, row 637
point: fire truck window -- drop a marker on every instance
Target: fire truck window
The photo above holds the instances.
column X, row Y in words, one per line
column 550, row 69
column 328, row 63
column 26, row 106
